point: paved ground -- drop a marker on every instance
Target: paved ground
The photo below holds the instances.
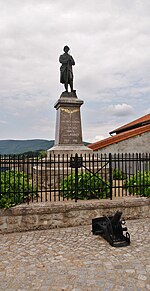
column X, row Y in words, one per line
column 74, row 259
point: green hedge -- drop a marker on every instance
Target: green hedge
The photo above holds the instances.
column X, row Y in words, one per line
column 15, row 188
column 118, row 175
column 139, row 184
column 89, row 187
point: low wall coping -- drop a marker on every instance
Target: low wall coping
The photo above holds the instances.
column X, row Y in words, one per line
column 63, row 207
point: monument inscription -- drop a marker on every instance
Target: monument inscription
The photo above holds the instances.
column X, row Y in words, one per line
column 69, row 125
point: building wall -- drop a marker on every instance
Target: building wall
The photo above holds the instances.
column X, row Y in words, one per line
column 136, row 144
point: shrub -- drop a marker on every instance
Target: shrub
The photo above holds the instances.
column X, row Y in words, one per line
column 89, row 186
column 139, row 184
column 118, row 175
column 15, row 189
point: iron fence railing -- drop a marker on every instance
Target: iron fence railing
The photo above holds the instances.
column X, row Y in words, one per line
column 59, row 178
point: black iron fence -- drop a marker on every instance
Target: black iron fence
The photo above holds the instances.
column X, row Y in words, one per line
column 59, row 178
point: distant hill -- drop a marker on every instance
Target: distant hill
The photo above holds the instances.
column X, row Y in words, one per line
column 23, row 146
column 8, row 147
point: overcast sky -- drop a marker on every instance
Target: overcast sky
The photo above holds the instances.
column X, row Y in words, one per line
column 110, row 42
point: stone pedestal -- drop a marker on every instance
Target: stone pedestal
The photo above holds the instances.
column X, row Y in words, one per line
column 68, row 142
column 68, row 134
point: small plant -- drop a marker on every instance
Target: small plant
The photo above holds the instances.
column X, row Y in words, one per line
column 139, row 184
column 118, row 175
column 15, row 188
column 89, row 186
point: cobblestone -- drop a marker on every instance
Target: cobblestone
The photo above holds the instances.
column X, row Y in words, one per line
column 73, row 259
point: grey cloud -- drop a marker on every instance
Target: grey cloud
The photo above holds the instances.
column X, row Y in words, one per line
column 3, row 121
column 120, row 109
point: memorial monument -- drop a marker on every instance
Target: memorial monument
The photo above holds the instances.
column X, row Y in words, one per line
column 68, row 131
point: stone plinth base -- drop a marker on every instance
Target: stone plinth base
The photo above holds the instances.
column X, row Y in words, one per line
column 68, row 141
column 69, row 150
column 68, row 133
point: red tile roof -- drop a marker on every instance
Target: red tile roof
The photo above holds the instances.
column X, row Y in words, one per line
column 119, row 137
column 134, row 124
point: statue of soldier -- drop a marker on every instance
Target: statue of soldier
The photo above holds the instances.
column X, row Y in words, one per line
column 66, row 74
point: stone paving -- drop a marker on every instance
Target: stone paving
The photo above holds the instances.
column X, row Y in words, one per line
column 74, row 259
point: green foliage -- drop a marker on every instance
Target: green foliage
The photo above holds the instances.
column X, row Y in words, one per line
column 89, row 186
column 15, row 188
column 139, row 184
column 118, row 175
column 40, row 154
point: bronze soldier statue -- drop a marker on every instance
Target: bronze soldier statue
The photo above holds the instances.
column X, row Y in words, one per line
column 66, row 74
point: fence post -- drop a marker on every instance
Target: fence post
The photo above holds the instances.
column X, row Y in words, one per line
column 110, row 174
column 76, row 183
column 76, row 162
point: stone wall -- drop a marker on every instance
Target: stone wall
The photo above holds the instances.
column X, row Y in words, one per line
column 66, row 214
